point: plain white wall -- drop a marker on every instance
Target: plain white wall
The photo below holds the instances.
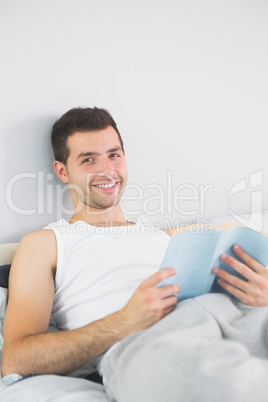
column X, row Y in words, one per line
column 186, row 82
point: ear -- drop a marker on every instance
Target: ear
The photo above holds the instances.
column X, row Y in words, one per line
column 61, row 172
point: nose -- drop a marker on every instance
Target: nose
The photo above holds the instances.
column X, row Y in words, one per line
column 105, row 167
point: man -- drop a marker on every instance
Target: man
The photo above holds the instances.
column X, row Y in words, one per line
column 98, row 273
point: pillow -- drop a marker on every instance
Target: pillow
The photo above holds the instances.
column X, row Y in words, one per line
column 4, row 274
column 7, row 252
column 3, row 302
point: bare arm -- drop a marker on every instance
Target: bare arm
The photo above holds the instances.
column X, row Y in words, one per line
column 28, row 348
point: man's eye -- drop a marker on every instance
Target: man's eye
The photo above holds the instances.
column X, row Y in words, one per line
column 87, row 160
column 114, row 155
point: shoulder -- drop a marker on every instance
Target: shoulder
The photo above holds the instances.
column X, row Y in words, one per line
column 41, row 238
column 38, row 245
column 46, row 238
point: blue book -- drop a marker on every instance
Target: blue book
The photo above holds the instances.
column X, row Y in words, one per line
column 194, row 255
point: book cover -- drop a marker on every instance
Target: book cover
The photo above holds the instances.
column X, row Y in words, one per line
column 194, row 255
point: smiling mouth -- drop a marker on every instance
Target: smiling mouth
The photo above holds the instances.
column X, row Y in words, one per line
column 106, row 185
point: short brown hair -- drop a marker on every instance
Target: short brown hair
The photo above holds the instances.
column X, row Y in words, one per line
column 79, row 120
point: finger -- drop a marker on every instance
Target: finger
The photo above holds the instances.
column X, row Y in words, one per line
column 239, row 294
column 233, row 280
column 169, row 302
column 169, row 290
column 168, row 310
column 159, row 276
column 248, row 260
column 238, row 266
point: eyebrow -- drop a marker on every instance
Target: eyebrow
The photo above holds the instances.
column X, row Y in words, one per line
column 87, row 154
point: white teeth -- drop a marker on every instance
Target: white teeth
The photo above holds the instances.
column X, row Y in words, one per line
column 105, row 185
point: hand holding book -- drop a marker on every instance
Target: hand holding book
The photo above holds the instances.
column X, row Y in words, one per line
column 242, row 271
column 254, row 291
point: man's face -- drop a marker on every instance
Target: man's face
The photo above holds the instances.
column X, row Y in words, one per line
column 96, row 168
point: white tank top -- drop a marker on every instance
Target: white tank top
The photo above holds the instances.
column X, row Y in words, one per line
column 99, row 268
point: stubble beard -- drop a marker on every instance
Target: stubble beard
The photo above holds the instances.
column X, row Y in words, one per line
column 91, row 199
column 105, row 200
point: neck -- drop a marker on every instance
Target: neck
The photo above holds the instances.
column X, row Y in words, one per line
column 108, row 217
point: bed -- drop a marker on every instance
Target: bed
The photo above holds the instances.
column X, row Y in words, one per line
column 62, row 388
